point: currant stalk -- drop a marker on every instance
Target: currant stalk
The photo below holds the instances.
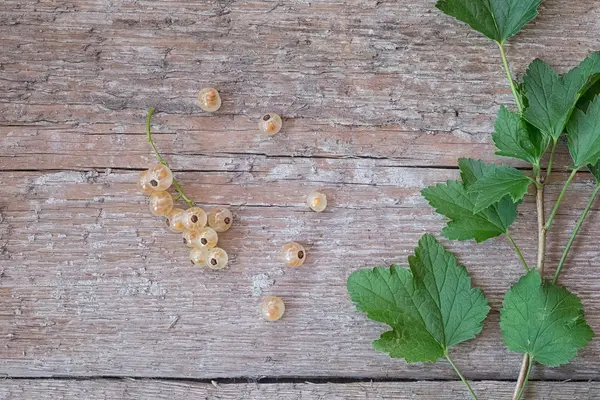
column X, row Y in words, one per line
column 162, row 160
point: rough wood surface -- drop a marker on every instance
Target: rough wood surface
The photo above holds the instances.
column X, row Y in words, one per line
column 359, row 78
column 379, row 99
column 167, row 390
column 91, row 282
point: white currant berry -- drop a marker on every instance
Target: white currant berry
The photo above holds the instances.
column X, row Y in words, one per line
column 198, row 255
column 209, row 99
column 217, row 258
column 189, row 237
column 175, row 220
column 317, row 201
column 195, row 219
column 272, row 308
column 293, row 254
column 220, row 219
column 160, row 177
column 270, row 124
column 206, row 237
column 161, row 203
column 143, row 183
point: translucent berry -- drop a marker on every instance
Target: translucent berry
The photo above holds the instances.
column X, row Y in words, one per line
column 189, row 237
column 160, row 177
column 217, row 258
column 206, row 237
column 272, row 308
column 198, row 255
column 161, row 203
column 144, row 183
column 209, row 99
column 317, row 201
column 175, row 220
column 270, row 124
column 195, row 219
column 293, row 254
column 220, row 219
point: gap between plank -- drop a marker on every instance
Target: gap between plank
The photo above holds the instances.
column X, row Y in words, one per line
column 267, row 380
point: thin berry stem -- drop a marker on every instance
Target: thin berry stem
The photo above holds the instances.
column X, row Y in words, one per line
column 162, row 160
column 560, row 197
column 462, row 378
column 509, row 76
column 518, row 251
column 575, row 232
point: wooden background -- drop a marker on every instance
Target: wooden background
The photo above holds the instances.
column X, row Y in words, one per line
column 379, row 98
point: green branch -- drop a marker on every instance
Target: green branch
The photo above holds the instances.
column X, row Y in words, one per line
column 551, row 160
column 162, row 160
column 575, row 232
column 522, row 389
column 509, row 76
column 462, row 378
column 518, row 251
column 560, row 197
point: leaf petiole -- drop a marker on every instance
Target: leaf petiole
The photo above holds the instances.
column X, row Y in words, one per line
column 518, row 251
column 462, row 378
column 162, row 160
column 575, row 232
column 509, row 76
column 551, row 160
column 522, row 389
column 560, row 197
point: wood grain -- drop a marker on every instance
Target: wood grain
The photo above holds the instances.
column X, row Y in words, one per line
column 379, row 99
column 166, row 390
column 358, row 78
column 91, row 282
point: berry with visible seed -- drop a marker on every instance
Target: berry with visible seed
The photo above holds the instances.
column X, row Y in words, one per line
column 160, row 177
column 161, row 203
column 189, row 237
column 143, row 183
column 217, row 258
column 175, row 220
column 198, row 255
column 317, row 201
column 293, row 254
column 272, row 308
column 195, row 219
column 209, row 99
column 206, row 237
column 270, row 124
column 220, row 219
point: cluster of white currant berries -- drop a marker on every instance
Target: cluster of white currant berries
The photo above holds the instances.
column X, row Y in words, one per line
column 293, row 254
column 201, row 239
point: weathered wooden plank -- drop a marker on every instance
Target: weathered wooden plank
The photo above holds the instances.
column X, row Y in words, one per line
column 129, row 389
column 90, row 285
column 91, row 282
column 357, row 78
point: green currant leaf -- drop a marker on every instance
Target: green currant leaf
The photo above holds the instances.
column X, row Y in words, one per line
column 595, row 170
column 587, row 98
column 497, row 182
column 544, row 320
column 453, row 200
column 516, row 138
column 552, row 98
column 430, row 307
column 583, row 134
column 496, row 19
